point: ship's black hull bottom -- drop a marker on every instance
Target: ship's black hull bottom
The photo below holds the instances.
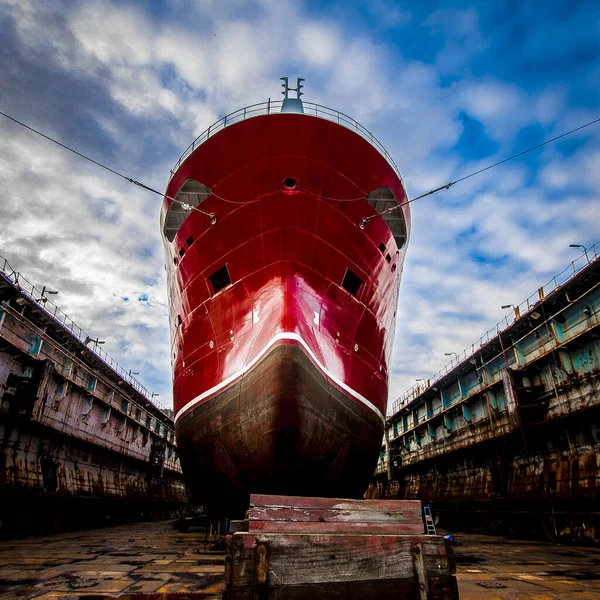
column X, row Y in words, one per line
column 282, row 429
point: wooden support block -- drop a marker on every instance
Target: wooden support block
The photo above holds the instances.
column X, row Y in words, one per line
column 334, row 503
column 261, row 569
column 314, row 558
column 319, row 527
column 228, row 560
column 235, row 526
column 298, row 548
column 420, row 570
column 334, row 515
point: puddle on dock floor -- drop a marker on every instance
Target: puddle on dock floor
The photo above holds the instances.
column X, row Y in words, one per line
column 152, row 559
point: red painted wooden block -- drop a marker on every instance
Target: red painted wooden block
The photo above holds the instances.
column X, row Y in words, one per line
column 334, row 515
column 333, row 503
column 296, row 548
column 316, row 527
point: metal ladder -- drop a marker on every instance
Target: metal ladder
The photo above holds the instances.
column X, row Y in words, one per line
column 429, row 525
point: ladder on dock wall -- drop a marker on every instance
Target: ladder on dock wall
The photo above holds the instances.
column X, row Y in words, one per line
column 428, row 517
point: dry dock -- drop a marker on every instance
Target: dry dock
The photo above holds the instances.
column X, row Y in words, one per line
column 507, row 437
column 81, row 440
column 151, row 561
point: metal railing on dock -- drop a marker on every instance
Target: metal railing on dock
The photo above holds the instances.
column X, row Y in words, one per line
column 588, row 256
column 274, row 107
column 36, row 295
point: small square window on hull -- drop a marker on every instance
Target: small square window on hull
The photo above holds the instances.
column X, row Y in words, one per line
column 351, row 282
column 220, row 279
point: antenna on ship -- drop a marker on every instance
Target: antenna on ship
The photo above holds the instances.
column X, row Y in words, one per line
column 292, row 105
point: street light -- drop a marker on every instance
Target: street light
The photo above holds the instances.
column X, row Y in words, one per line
column 132, row 373
column 422, row 384
column 45, row 291
column 515, row 308
column 88, row 339
column 587, row 258
column 450, row 354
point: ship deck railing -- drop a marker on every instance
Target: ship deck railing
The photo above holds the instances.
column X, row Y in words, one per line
column 35, row 294
column 588, row 256
column 274, row 107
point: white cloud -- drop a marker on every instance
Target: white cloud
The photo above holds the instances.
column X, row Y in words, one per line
column 55, row 239
column 489, row 241
column 113, row 34
column 319, row 44
column 189, row 54
column 493, row 102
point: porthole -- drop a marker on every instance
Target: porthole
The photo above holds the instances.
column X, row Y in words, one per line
column 290, row 183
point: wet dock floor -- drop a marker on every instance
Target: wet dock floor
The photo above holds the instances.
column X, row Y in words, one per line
column 129, row 560
column 498, row 568
column 151, row 560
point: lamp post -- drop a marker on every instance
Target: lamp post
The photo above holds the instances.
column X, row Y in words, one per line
column 515, row 308
column 45, row 291
column 96, row 342
column 587, row 258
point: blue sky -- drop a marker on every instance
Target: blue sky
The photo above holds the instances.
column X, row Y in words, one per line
column 447, row 88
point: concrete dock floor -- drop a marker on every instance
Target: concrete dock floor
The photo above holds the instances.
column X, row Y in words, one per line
column 498, row 568
column 151, row 560
column 131, row 560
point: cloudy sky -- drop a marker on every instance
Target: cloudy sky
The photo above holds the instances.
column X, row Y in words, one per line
column 447, row 88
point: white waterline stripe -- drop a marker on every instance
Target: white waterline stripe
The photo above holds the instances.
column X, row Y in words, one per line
column 278, row 337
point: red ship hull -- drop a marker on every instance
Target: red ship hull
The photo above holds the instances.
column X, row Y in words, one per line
column 280, row 357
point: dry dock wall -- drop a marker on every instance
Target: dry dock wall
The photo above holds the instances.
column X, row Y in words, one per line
column 79, row 442
column 509, row 437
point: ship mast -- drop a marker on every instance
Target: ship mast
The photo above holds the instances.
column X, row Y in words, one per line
column 292, row 105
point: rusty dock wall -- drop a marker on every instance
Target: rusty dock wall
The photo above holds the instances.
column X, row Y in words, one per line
column 80, row 440
column 508, row 436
